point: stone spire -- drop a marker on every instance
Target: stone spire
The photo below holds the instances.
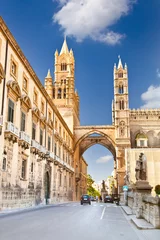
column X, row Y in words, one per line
column 49, row 74
column 120, row 63
column 64, row 47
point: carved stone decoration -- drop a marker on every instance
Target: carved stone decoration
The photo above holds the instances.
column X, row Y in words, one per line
column 141, row 168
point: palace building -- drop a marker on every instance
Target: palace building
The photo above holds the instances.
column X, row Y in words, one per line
column 42, row 141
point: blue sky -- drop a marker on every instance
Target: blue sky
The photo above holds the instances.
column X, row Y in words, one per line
column 97, row 31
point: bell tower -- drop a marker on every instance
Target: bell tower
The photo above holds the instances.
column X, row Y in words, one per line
column 120, row 118
column 65, row 97
column 120, row 105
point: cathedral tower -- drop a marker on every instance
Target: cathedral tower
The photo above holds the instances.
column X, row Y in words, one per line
column 120, row 106
column 65, row 97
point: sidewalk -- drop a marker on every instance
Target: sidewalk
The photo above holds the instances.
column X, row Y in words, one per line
column 13, row 211
column 145, row 229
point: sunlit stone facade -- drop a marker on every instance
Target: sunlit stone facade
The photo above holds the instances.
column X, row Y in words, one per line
column 36, row 144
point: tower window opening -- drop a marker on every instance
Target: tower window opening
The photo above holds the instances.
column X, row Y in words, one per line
column 64, row 93
column 64, row 81
column 121, row 89
column 120, row 75
column 121, row 105
column 61, row 81
column 59, row 93
column 53, row 93
column 63, row 67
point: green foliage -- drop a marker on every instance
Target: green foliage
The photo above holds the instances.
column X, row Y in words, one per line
column 157, row 189
column 91, row 190
column 90, row 181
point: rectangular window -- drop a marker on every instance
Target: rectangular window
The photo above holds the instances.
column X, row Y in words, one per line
column 60, row 179
column 4, row 163
column 32, row 167
column 49, row 143
column 65, row 181
column 10, row 111
column 23, row 121
column 69, row 181
column 35, row 97
column 25, row 84
column 13, row 68
column 41, row 137
column 33, row 131
column 55, row 148
column 23, row 172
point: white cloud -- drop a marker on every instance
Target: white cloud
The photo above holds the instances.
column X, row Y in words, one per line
column 158, row 73
column 151, row 97
column 92, row 18
column 104, row 159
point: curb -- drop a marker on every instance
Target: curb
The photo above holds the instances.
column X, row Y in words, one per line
column 30, row 209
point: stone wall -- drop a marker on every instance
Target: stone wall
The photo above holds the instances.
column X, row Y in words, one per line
column 151, row 210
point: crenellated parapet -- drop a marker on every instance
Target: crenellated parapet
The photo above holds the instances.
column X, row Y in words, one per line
column 143, row 114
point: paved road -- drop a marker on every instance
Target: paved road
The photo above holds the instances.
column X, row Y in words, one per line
column 72, row 221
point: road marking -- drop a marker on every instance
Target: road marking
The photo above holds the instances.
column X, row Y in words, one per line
column 103, row 213
column 101, row 205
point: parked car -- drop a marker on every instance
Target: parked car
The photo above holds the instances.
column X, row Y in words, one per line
column 108, row 199
column 85, row 199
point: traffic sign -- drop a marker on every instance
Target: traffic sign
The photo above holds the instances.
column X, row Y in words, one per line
column 125, row 188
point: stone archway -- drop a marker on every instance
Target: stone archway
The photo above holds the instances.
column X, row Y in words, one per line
column 87, row 136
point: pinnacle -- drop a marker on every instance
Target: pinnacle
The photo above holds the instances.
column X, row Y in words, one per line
column 64, row 47
column 120, row 63
column 49, row 74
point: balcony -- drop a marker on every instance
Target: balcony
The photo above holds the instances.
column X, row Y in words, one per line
column 51, row 155
column 35, row 147
column 42, row 151
column 11, row 132
column 24, row 140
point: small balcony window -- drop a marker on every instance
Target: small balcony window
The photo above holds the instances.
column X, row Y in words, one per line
column 10, row 111
column 41, row 137
column 49, row 143
column 23, row 121
column 33, row 131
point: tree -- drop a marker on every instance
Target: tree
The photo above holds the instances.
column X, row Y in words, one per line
column 90, row 189
column 157, row 189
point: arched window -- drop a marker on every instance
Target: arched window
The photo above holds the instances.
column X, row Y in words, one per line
column 61, row 81
column 141, row 140
column 121, row 104
column 63, row 66
column 64, row 81
column 120, row 75
column 64, row 93
column 120, row 89
column 59, row 93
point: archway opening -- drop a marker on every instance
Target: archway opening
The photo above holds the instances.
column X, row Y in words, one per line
column 47, row 187
column 100, row 169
